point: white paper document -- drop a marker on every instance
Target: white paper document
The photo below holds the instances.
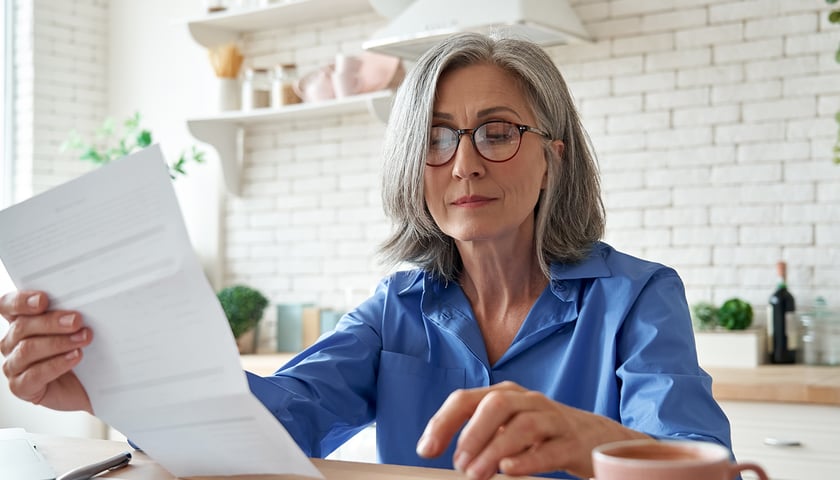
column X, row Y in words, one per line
column 163, row 367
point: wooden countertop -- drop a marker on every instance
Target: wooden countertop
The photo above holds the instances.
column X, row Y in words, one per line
column 766, row 383
column 778, row 383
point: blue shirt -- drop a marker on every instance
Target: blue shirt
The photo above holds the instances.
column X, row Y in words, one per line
column 610, row 335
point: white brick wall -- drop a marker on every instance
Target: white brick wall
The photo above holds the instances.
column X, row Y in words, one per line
column 713, row 122
column 61, row 84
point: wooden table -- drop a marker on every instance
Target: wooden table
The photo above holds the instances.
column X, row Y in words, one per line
column 65, row 453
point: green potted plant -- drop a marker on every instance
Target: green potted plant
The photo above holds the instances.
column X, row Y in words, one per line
column 735, row 314
column 723, row 335
column 110, row 144
column 244, row 307
column 704, row 316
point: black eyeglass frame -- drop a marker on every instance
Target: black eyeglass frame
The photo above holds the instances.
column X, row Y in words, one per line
column 471, row 131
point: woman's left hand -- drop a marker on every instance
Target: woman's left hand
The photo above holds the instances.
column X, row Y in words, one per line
column 518, row 432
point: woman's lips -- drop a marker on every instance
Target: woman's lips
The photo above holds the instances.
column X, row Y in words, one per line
column 471, row 201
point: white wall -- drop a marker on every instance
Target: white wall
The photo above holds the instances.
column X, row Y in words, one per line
column 155, row 68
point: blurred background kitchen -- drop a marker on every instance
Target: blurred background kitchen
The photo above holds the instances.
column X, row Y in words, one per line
column 713, row 121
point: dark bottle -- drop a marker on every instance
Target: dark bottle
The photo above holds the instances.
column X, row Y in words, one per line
column 782, row 334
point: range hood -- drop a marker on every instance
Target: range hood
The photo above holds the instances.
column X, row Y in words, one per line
column 425, row 22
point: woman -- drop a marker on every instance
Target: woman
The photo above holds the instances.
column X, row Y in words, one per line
column 517, row 327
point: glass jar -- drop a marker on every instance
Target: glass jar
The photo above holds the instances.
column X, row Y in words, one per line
column 255, row 89
column 282, row 85
column 821, row 334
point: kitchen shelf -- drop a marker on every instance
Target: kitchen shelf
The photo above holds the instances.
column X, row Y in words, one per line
column 225, row 130
column 224, row 27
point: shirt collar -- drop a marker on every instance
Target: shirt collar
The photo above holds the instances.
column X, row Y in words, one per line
column 565, row 281
column 593, row 266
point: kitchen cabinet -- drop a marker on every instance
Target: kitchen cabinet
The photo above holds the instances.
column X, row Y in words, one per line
column 791, row 441
column 225, row 131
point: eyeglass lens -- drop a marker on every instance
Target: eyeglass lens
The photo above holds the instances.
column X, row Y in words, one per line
column 495, row 141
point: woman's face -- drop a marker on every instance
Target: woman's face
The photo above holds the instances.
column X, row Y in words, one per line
column 472, row 199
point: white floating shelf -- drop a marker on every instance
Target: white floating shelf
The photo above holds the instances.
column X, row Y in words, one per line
column 224, row 27
column 224, row 131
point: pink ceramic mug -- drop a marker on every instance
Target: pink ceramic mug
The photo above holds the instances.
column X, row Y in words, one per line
column 345, row 75
column 667, row 460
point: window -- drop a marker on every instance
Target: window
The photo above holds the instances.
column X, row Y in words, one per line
column 6, row 136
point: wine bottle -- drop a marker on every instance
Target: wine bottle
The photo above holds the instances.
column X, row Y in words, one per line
column 782, row 334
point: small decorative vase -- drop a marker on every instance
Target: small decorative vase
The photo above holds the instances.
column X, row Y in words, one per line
column 228, row 94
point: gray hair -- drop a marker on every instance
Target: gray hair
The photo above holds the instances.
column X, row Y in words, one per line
column 569, row 212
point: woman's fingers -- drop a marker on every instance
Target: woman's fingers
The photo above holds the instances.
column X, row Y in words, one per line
column 517, row 431
column 541, row 457
column 41, row 347
column 446, row 422
column 32, row 384
column 458, row 408
column 26, row 302
column 60, row 323
column 35, row 349
column 506, row 424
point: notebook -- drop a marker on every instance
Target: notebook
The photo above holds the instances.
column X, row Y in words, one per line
column 20, row 459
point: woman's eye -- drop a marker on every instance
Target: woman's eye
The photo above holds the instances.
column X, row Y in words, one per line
column 440, row 140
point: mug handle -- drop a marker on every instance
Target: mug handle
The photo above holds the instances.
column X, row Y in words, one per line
column 737, row 468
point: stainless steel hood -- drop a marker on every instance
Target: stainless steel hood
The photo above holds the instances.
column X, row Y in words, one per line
column 425, row 22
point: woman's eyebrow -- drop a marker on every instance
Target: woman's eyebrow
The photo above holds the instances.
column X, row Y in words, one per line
column 481, row 113
column 492, row 110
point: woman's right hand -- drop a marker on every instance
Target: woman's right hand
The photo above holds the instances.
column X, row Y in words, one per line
column 41, row 348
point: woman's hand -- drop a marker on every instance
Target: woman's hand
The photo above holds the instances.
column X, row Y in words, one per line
column 518, row 432
column 41, row 348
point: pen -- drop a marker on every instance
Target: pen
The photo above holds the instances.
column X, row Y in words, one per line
column 86, row 472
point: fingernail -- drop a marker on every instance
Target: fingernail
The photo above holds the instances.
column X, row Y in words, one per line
column 34, row 300
column 424, row 446
column 475, row 472
column 79, row 336
column 461, row 460
column 66, row 320
column 72, row 355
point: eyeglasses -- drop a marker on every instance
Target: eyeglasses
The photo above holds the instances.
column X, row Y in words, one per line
column 495, row 141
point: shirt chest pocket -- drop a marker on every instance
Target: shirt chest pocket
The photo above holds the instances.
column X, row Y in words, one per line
column 410, row 391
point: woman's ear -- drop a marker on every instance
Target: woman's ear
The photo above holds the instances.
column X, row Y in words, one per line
column 558, row 146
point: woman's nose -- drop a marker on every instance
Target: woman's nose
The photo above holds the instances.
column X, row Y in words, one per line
column 467, row 162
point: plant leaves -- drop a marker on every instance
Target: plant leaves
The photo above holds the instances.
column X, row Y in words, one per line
column 107, row 129
column 133, row 123
column 144, row 139
column 107, row 147
column 243, row 307
column 735, row 314
column 92, row 155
